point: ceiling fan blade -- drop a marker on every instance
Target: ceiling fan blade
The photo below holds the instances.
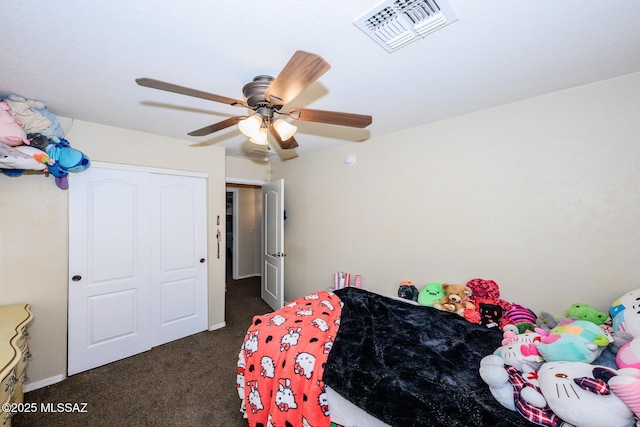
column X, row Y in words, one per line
column 216, row 126
column 285, row 145
column 301, row 71
column 331, row 117
column 170, row 87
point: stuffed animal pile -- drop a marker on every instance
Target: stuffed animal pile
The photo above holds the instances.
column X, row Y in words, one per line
column 478, row 301
column 593, row 358
column 31, row 138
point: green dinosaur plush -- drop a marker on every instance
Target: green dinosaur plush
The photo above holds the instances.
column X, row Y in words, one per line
column 584, row 312
column 431, row 294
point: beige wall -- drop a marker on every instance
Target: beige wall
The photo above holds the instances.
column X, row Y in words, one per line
column 34, row 230
column 541, row 196
column 244, row 171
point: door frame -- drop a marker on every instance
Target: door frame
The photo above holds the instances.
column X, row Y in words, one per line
column 234, row 233
column 234, row 249
column 106, row 165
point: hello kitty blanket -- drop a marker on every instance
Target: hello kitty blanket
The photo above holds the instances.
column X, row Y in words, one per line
column 281, row 363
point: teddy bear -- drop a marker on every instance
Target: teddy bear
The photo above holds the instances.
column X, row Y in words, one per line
column 456, row 299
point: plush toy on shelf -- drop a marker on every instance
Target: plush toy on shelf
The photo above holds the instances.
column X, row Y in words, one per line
column 15, row 160
column 12, row 160
column 67, row 159
column 24, row 110
column 11, row 131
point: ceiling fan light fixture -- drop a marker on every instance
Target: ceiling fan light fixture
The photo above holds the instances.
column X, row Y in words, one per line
column 285, row 129
column 260, row 137
column 251, row 125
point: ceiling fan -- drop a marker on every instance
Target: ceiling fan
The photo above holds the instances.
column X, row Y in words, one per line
column 266, row 96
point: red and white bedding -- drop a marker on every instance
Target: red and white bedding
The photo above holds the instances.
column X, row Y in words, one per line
column 280, row 365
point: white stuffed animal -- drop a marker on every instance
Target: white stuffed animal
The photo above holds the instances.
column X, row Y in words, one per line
column 578, row 393
column 518, row 350
column 15, row 158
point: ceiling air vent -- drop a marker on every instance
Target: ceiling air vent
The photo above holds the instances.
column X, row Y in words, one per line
column 396, row 23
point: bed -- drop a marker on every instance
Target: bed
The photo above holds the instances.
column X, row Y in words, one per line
column 357, row 358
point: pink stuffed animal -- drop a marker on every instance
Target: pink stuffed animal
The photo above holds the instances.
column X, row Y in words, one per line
column 626, row 385
column 629, row 355
column 11, row 131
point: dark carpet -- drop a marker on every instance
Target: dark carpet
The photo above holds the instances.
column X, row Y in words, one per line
column 188, row 382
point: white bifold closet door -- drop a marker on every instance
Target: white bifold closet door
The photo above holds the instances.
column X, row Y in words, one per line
column 137, row 263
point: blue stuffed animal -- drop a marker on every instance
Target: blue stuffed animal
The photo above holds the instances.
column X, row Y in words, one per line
column 67, row 160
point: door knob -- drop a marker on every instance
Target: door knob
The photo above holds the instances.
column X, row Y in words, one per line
column 202, row 260
column 76, row 278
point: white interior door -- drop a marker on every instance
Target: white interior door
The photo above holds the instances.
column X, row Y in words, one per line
column 273, row 244
column 179, row 257
column 137, row 263
column 109, row 267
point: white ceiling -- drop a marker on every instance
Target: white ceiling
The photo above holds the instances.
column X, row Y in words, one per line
column 81, row 59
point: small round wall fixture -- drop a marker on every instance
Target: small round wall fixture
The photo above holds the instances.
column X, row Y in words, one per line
column 350, row 159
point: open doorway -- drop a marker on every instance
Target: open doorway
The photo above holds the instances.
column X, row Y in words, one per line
column 229, row 235
column 243, row 231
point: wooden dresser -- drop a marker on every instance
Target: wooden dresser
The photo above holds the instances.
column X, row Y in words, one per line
column 14, row 355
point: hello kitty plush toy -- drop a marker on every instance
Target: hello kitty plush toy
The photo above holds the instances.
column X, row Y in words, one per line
column 588, row 397
column 625, row 313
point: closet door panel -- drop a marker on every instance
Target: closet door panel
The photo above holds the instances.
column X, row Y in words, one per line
column 109, row 267
column 179, row 242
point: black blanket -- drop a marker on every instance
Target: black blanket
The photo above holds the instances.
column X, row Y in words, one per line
column 411, row 365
